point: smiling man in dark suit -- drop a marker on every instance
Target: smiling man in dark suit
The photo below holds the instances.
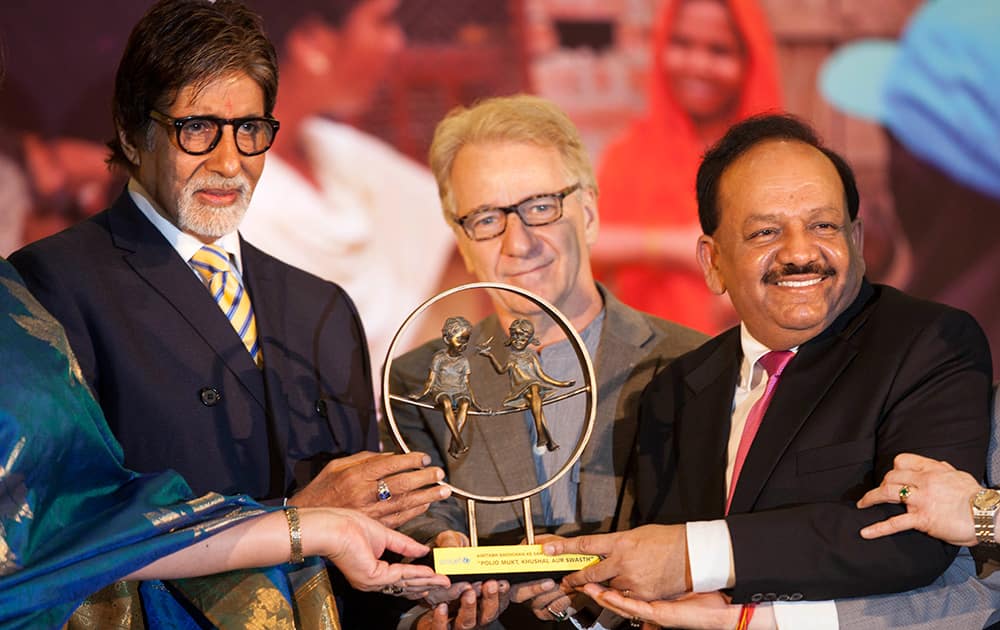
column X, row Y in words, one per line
column 754, row 448
column 243, row 374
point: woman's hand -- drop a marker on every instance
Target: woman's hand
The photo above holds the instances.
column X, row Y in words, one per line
column 355, row 543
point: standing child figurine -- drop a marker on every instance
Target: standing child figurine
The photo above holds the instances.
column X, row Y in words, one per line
column 528, row 382
column 448, row 381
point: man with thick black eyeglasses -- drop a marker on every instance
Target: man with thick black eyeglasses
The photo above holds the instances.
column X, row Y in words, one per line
column 208, row 356
column 518, row 190
column 198, row 135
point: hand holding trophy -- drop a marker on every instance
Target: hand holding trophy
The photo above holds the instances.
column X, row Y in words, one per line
column 447, row 397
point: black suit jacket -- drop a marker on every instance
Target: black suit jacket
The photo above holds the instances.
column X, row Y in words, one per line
column 892, row 374
column 177, row 386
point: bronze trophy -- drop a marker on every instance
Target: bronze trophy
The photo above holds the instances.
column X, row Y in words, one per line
column 448, row 392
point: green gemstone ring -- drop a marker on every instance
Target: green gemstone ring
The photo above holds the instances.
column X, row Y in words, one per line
column 904, row 493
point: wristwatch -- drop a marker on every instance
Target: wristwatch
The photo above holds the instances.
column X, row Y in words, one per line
column 985, row 505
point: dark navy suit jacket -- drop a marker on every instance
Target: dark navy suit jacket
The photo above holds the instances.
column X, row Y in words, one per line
column 177, row 386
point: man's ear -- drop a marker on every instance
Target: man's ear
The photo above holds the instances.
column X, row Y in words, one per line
column 858, row 238
column 708, row 260
column 130, row 151
column 858, row 234
column 591, row 218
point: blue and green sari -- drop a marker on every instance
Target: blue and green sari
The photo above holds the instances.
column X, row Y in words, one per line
column 74, row 521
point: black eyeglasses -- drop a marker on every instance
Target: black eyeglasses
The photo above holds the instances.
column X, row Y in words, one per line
column 487, row 223
column 198, row 135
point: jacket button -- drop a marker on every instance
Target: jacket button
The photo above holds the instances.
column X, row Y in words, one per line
column 209, row 396
column 321, row 407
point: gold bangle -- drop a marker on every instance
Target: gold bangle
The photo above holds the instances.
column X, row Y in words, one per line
column 294, row 534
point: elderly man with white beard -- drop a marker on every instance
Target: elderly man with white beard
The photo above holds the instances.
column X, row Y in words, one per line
column 240, row 372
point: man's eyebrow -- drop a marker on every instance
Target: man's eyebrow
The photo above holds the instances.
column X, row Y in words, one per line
column 485, row 206
column 477, row 209
column 761, row 218
column 777, row 216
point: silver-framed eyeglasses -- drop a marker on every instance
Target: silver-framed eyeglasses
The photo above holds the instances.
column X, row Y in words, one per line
column 198, row 135
column 487, row 223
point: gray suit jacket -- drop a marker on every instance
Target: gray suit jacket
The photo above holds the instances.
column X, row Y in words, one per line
column 633, row 347
column 958, row 599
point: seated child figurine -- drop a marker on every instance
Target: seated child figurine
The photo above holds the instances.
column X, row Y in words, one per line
column 528, row 382
column 448, row 381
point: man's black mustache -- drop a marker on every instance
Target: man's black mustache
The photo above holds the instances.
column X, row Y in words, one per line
column 791, row 269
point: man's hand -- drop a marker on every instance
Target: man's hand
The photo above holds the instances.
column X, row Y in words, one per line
column 474, row 605
column 463, row 605
column 938, row 502
column 650, row 562
column 352, row 482
column 546, row 598
column 710, row 611
column 451, row 538
column 428, row 590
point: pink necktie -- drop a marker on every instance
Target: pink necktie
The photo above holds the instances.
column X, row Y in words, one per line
column 774, row 363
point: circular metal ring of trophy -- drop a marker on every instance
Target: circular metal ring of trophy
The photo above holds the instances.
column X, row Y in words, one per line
column 589, row 387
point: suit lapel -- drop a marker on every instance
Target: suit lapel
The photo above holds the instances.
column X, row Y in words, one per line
column 703, row 430
column 153, row 259
column 803, row 385
column 266, row 292
column 623, row 335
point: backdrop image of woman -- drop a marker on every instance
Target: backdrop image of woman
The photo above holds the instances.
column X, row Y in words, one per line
column 713, row 63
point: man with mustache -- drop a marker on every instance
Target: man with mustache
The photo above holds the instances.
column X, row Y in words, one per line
column 754, row 448
column 242, row 373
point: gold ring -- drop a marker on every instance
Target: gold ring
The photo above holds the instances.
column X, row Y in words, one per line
column 904, row 493
column 626, row 593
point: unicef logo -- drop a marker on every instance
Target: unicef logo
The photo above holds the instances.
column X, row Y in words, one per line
column 462, row 560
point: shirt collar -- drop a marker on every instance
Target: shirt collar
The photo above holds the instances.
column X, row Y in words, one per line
column 184, row 244
column 591, row 336
column 753, row 350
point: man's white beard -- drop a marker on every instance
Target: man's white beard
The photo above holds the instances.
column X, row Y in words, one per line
column 214, row 221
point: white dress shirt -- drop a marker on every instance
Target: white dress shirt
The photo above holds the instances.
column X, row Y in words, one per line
column 710, row 549
column 184, row 244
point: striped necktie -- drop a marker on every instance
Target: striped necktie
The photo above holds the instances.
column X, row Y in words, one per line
column 212, row 264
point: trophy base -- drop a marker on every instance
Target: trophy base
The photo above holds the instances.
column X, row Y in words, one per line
column 515, row 563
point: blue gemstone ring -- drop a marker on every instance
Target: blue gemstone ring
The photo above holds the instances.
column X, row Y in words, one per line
column 383, row 491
